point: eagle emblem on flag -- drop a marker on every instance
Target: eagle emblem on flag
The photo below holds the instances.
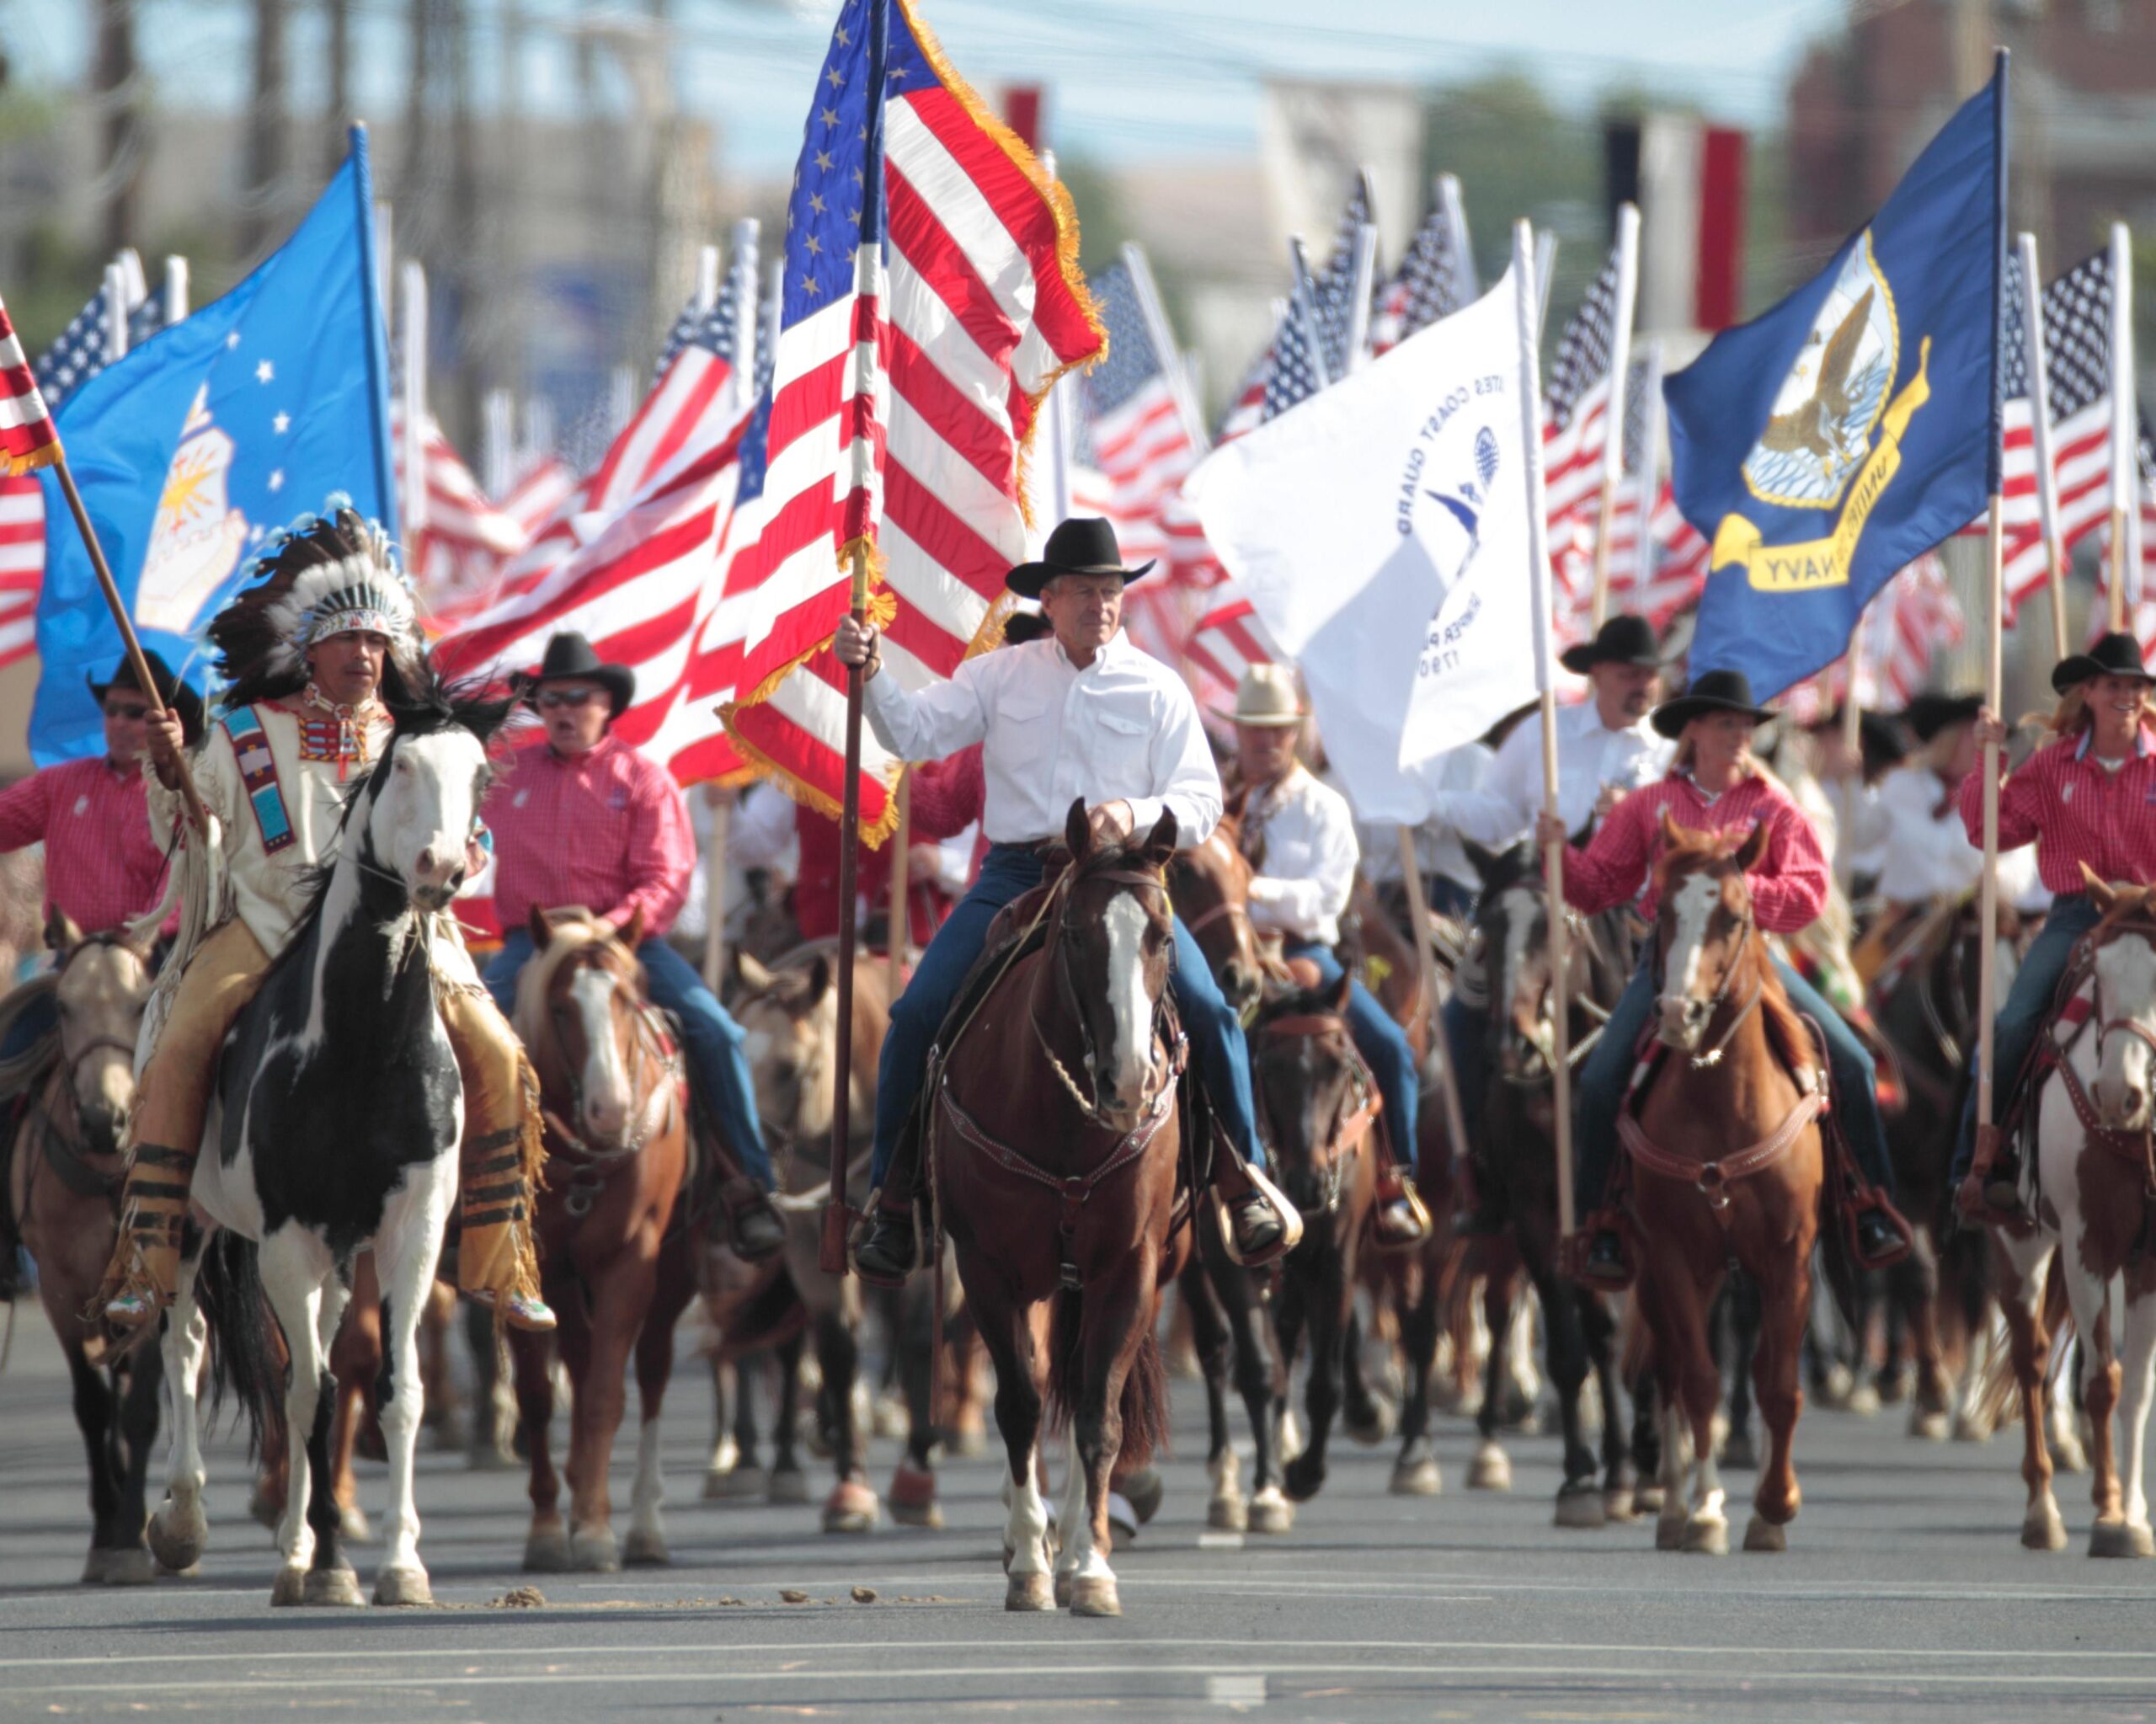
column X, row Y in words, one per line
column 1831, row 400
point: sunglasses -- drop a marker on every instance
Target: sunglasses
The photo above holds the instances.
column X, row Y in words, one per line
column 552, row 698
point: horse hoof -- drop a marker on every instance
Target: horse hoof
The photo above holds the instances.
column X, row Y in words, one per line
column 352, row 1524
column 913, row 1497
column 1928, row 1426
column 1863, row 1402
column 1492, row 1468
column 1763, row 1534
column 1669, row 1532
column 736, row 1484
column 1305, row 1477
column 1621, row 1502
column 1579, row 1508
column 966, row 1444
column 546, row 1552
column 889, row 1418
column 1647, row 1499
column 1228, row 1513
column 2044, row 1528
column 1271, row 1512
column 595, row 1552
column 645, row 1547
column 1144, row 1488
column 851, row 1508
column 1292, row 1440
column 1739, row 1450
column 1063, row 1591
column 403, row 1586
column 2115, row 1538
column 1376, row 1424
column 135, row 1567
column 789, row 1485
column 1095, row 1595
column 1418, row 1478
column 1968, row 1427
column 335, row 1589
column 1029, row 1592
column 1707, row 1537
column 175, row 1541
column 290, row 1586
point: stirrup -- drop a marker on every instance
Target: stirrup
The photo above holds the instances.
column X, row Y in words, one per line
column 521, row 1310
column 1290, row 1219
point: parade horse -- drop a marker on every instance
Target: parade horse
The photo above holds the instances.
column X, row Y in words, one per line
column 63, row 1190
column 2096, row 1208
column 1053, row 1138
column 1728, row 1165
column 334, row 1125
column 616, row 1259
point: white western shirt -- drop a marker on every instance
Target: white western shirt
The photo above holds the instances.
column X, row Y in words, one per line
column 1438, row 848
column 1124, row 729
column 1590, row 758
column 1925, row 852
column 1300, row 835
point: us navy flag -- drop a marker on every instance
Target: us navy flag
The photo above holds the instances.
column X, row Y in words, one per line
column 1830, row 441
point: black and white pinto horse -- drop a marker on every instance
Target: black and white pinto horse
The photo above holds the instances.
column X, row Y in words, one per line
column 335, row 1127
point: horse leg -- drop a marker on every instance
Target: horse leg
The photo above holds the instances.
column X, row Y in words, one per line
column 788, row 1484
column 1599, row 1331
column 1579, row 1499
column 599, row 1375
column 646, row 1545
column 134, row 1433
column 1227, row 1510
column 1116, row 1322
column 1492, row 1468
column 406, row 1249
column 1915, row 1286
column 1783, row 1301
column 1289, row 1314
column 725, row 1448
column 1706, row 1527
column 92, row 1398
column 1742, row 1304
column 1646, row 1442
column 298, row 1286
column 356, row 1360
column 916, row 1346
column 1026, row 1558
column 852, row 1506
column 2089, row 1296
column 2019, row 1265
column 1330, row 1296
column 1362, row 1415
column 179, row 1530
column 532, row 1358
column 1415, row 1473
column 2139, row 1361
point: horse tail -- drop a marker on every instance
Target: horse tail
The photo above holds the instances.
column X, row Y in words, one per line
column 1145, row 1405
column 243, row 1358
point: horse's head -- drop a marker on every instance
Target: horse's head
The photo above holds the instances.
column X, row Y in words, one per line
column 422, row 800
column 1512, row 927
column 585, row 999
column 2125, row 942
column 102, row 987
column 1112, row 945
column 790, row 1023
column 1211, row 882
column 1705, row 929
column 1308, row 1082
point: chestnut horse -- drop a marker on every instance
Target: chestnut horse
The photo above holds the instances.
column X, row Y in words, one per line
column 1728, row 1165
column 63, row 1190
column 1210, row 884
column 1054, row 1142
column 616, row 1259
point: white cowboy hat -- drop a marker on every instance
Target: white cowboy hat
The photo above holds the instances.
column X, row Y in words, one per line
column 1267, row 697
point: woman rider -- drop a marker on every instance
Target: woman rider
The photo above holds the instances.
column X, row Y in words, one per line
column 1713, row 785
column 2088, row 796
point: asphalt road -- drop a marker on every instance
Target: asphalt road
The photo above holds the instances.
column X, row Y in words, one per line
column 1904, row 1595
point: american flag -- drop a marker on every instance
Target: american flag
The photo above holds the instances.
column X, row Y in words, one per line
column 1575, row 431
column 28, row 441
column 899, row 407
column 84, row 347
column 1333, row 292
column 543, row 487
column 460, row 552
column 1434, row 280
column 1656, row 574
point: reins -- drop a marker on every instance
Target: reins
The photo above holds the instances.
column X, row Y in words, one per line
column 1350, row 1130
column 1712, row 1057
column 1067, row 989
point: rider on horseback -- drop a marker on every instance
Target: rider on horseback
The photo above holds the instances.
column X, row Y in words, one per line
column 1084, row 715
column 2087, row 796
column 307, row 654
column 582, row 819
column 1714, row 786
column 1299, row 836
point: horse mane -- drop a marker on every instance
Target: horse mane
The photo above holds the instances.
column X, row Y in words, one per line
column 573, row 931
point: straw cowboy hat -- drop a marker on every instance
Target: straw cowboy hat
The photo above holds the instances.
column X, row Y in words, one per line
column 1266, row 697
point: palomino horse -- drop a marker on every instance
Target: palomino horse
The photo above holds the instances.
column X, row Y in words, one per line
column 1728, row 1165
column 335, row 1122
column 613, row 1240
column 2096, row 1206
column 63, row 1184
column 1053, row 1143
column 789, row 1017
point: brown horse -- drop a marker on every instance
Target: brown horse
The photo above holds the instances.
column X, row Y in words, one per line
column 1054, row 1142
column 1210, row 884
column 1728, row 1165
column 618, row 1263
column 63, row 1183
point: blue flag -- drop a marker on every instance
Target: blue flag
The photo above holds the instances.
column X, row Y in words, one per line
column 196, row 445
column 1826, row 444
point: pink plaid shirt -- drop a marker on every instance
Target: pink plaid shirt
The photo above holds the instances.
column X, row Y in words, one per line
column 2073, row 811
column 102, row 867
column 1788, row 888
column 607, row 829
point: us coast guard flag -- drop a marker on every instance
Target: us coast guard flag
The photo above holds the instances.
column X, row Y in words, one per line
column 193, row 447
column 1380, row 530
column 1842, row 434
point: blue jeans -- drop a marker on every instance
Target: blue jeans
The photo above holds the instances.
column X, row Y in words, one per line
column 2021, row 1019
column 712, row 1039
column 1467, row 1041
column 1008, row 872
column 1602, row 1080
column 1448, row 897
column 1383, row 1045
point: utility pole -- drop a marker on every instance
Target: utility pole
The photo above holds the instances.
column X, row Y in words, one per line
column 122, row 116
column 340, row 78
column 265, row 131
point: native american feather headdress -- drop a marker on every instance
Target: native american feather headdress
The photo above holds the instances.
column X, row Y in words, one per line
column 323, row 575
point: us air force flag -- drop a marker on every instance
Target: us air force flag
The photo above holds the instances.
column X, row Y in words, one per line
column 190, row 449
column 1380, row 529
column 1842, row 434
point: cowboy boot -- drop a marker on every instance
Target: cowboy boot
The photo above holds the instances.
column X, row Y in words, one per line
column 1402, row 1219
column 144, row 1272
column 497, row 1266
column 757, row 1230
column 1602, row 1262
column 889, row 1251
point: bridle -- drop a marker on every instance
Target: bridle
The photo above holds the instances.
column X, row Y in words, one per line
column 655, row 1116
column 1748, row 925
column 1337, row 1153
column 1584, row 949
column 1067, row 991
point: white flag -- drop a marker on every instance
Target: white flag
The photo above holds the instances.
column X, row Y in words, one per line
column 1380, row 530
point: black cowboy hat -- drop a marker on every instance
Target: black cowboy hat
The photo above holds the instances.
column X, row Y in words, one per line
column 1928, row 713
column 570, row 654
column 171, row 691
column 1880, row 740
column 1711, row 691
column 1083, row 545
column 1623, row 639
column 2114, row 655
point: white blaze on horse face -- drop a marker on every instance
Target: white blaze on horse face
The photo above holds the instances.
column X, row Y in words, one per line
column 102, row 990
column 1693, row 903
column 1127, row 1061
column 2126, row 994
column 607, row 1098
column 426, row 810
column 1520, row 908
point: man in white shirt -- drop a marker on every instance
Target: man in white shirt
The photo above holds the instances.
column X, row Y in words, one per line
column 1299, row 836
column 1083, row 716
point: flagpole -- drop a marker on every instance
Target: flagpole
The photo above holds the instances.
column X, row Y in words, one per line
column 2122, row 417
column 176, row 290
column 412, row 328
column 1465, row 287
column 1302, row 305
column 721, row 822
column 1614, row 415
column 1530, row 300
column 900, row 913
column 1546, row 272
column 1994, row 678
column 1180, row 387
column 2040, row 434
